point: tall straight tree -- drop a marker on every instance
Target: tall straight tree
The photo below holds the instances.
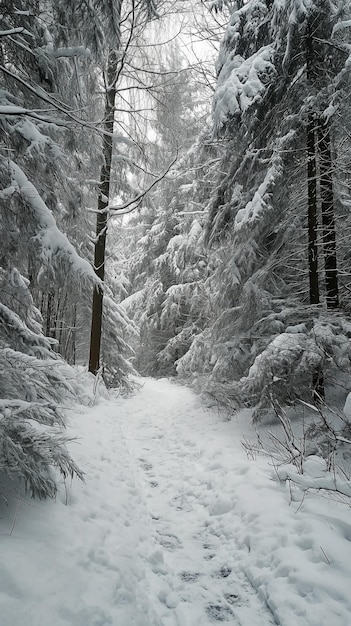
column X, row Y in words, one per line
column 328, row 217
column 321, row 68
column 116, row 59
column 312, row 215
column 110, row 83
column 108, row 29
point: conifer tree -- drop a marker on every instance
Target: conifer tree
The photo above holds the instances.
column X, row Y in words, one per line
column 34, row 380
column 108, row 29
column 168, row 267
column 274, row 114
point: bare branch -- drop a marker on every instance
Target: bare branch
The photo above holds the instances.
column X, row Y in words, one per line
column 128, row 207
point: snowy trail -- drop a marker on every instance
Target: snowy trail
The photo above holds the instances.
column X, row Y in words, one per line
column 174, row 526
column 82, row 562
column 199, row 559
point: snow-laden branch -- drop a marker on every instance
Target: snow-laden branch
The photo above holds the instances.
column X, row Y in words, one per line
column 11, row 110
column 78, row 51
column 19, row 406
column 241, row 83
column 45, row 97
column 327, row 481
column 255, row 209
column 11, row 31
column 7, row 192
column 33, row 343
column 341, row 26
column 52, row 242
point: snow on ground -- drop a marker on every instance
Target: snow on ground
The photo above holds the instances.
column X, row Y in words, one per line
column 174, row 526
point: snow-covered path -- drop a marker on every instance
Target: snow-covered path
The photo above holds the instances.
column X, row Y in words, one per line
column 173, row 527
column 187, row 478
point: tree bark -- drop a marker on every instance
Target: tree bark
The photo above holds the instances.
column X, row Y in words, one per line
column 328, row 220
column 312, row 213
column 50, row 318
column 311, row 173
column 102, row 215
column 318, row 390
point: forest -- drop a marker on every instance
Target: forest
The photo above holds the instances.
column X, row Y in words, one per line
column 175, row 203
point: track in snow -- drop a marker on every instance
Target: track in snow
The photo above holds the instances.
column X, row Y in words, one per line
column 198, row 561
column 174, row 526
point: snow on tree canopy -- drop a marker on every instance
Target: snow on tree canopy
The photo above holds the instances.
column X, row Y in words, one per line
column 241, row 83
column 254, row 208
column 53, row 243
column 242, row 79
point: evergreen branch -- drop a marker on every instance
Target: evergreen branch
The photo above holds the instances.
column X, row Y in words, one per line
column 43, row 95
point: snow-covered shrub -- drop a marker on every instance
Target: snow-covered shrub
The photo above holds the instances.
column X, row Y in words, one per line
column 286, row 369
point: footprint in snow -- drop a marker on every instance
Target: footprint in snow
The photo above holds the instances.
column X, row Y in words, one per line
column 145, row 465
column 170, row 542
column 182, row 503
column 219, row 613
column 189, row 577
column 153, row 483
column 224, row 572
column 210, row 555
column 231, row 598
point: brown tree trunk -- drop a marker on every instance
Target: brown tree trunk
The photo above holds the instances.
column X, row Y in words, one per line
column 102, row 215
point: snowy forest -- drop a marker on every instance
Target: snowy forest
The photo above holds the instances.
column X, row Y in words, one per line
column 175, row 201
column 175, row 312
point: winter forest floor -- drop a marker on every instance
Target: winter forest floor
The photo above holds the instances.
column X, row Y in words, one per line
column 174, row 526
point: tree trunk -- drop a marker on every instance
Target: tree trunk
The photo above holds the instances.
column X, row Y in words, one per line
column 317, row 376
column 102, row 215
column 312, row 213
column 312, row 173
column 50, row 327
column 74, row 335
column 328, row 221
column 318, row 391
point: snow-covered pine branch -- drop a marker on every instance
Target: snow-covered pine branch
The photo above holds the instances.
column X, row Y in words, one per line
column 54, row 247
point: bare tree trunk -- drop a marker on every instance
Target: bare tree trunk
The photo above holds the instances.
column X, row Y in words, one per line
column 74, row 334
column 50, row 328
column 312, row 212
column 317, row 376
column 312, row 174
column 102, row 215
column 318, row 391
column 328, row 221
